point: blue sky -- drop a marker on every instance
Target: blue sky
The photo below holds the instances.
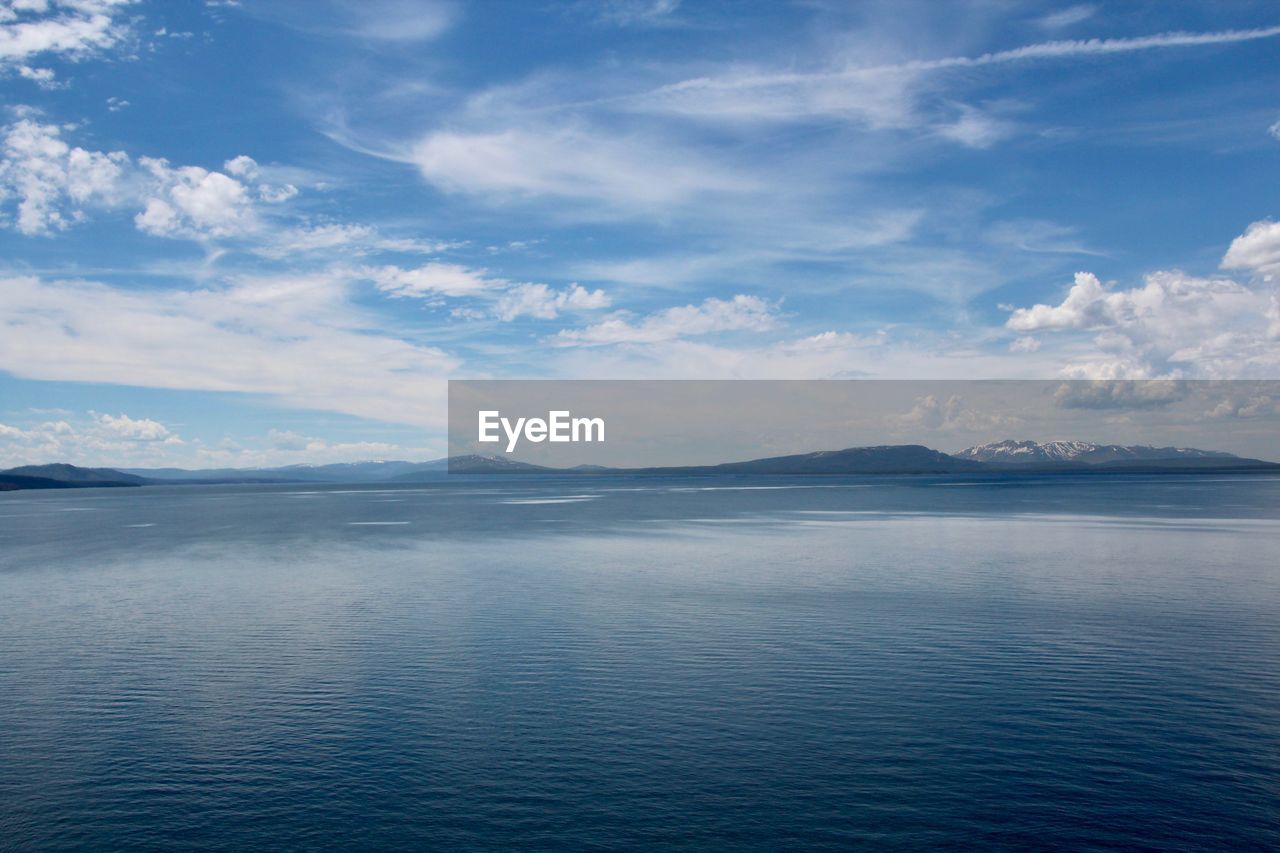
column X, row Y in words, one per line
column 267, row 232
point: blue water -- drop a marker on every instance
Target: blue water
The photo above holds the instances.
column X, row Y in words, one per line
column 1001, row 663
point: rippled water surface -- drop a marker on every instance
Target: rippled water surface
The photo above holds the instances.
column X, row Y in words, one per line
column 905, row 662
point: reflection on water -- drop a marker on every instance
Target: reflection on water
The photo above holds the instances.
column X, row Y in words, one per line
column 1090, row 662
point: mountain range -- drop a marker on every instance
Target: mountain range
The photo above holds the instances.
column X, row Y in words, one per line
column 1029, row 452
column 1010, row 455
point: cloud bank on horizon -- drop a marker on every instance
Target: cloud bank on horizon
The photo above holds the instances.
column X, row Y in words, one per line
column 273, row 229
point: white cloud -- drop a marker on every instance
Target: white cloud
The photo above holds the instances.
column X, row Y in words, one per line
column 1174, row 325
column 51, row 181
column 974, row 128
column 93, row 439
column 742, row 312
column 570, row 163
column 136, row 429
column 121, row 441
column 544, row 303
column 1067, row 17
column 42, row 77
column 1024, row 344
column 1256, row 250
column 71, row 29
column 297, row 339
column 350, row 237
column 193, row 202
column 53, row 185
column 889, row 95
column 431, row 279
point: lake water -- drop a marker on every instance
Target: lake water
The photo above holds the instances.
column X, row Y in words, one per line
column 1090, row 662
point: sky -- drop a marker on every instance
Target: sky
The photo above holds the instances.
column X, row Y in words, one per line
column 260, row 233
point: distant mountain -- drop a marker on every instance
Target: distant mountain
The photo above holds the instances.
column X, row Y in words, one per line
column 1010, row 452
column 64, row 476
column 1002, row 456
column 882, row 459
column 341, row 472
column 470, row 464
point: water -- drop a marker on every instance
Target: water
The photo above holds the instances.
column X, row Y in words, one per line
column 1091, row 662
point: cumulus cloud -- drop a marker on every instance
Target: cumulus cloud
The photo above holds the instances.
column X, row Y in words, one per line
column 52, row 182
column 1257, row 250
column 69, row 29
column 193, row 202
column 1254, row 406
column 1174, row 325
column 1122, row 394
column 952, row 415
column 544, row 303
column 742, row 312
column 93, row 439
column 137, row 429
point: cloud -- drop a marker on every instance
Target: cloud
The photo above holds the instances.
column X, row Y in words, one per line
column 51, row 181
column 1174, row 325
column 1038, row 236
column 631, row 13
column 569, row 163
column 296, row 339
column 54, row 185
column 1067, row 17
column 69, row 29
column 750, row 313
column 1256, row 250
column 950, row 415
column 135, row 429
column 93, row 439
column 351, row 238
column 1025, row 344
column 1107, row 394
column 1255, row 406
column 199, row 204
column 194, row 202
column 544, row 303
column 511, row 299
column 431, row 279
column 885, row 95
column 388, row 22
column 975, row 129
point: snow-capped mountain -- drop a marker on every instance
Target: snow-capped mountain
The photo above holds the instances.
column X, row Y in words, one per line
column 1012, row 452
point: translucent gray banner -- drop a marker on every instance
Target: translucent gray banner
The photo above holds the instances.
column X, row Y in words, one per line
column 498, row 426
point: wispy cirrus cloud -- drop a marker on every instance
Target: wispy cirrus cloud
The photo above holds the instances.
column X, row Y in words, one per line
column 741, row 313
column 295, row 339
